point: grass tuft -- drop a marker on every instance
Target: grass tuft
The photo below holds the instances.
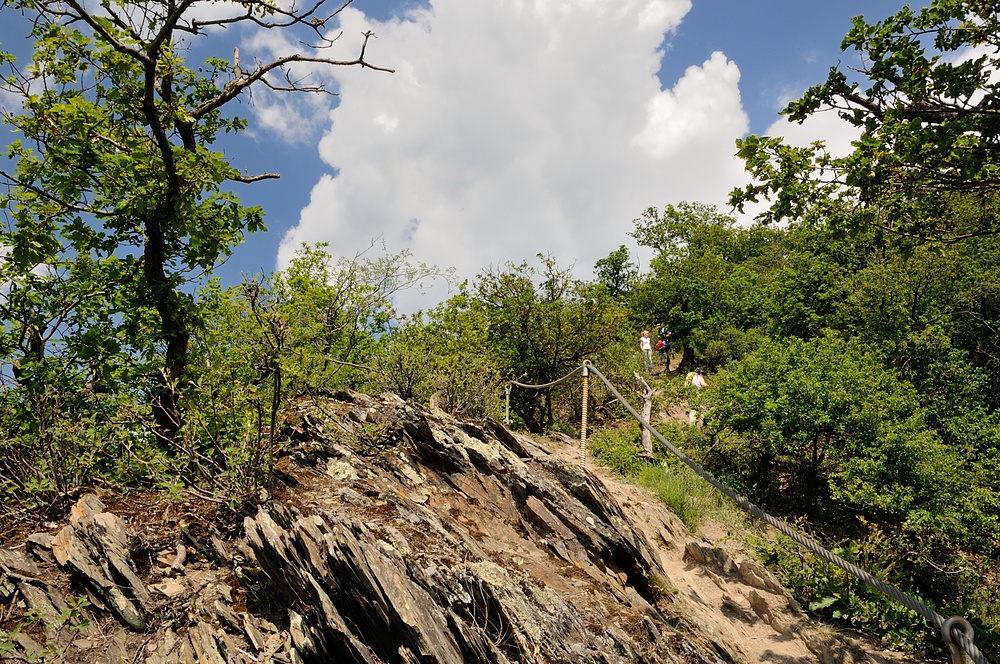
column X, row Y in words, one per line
column 686, row 494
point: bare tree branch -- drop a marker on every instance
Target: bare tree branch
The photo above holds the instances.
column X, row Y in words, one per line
column 233, row 88
column 247, row 179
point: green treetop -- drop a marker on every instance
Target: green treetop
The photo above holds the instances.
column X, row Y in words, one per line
column 927, row 103
column 114, row 167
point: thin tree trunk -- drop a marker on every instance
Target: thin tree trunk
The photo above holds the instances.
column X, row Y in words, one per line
column 687, row 360
column 647, row 408
column 173, row 319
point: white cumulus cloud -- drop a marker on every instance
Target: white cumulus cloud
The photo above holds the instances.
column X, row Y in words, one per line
column 513, row 127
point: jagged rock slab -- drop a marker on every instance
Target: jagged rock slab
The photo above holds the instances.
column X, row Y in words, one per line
column 95, row 547
column 404, row 535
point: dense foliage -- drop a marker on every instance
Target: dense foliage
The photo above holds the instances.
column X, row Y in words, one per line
column 116, row 207
column 925, row 99
column 522, row 323
column 117, row 200
column 860, row 396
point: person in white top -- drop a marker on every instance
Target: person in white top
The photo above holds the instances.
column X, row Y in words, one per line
column 646, row 346
column 699, row 378
column 695, row 379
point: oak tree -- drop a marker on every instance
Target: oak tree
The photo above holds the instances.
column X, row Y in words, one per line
column 926, row 100
column 115, row 166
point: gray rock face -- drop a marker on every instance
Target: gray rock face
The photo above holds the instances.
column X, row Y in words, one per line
column 94, row 546
column 411, row 538
column 456, row 545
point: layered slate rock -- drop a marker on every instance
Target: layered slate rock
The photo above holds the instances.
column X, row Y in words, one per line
column 401, row 535
column 94, row 547
column 395, row 570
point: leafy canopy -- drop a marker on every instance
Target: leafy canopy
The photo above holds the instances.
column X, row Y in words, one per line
column 115, row 173
column 926, row 101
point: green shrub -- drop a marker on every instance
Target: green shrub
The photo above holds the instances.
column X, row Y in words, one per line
column 619, row 449
column 838, row 598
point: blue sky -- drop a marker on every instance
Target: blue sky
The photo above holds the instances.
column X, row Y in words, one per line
column 514, row 127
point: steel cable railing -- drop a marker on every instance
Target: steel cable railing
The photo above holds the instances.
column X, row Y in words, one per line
column 957, row 633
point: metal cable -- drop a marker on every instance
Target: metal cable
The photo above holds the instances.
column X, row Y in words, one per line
column 555, row 382
column 958, row 631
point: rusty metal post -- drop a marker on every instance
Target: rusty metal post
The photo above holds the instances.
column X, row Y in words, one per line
column 583, row 417
column 506, row 415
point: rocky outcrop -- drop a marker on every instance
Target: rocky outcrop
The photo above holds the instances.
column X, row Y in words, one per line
column 94, row 548
column 402, row 535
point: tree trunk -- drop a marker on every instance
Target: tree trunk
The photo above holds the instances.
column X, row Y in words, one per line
column 761, row 475
column 531, row 413
column 687, row 360
column 647, row 408
column 174, row 329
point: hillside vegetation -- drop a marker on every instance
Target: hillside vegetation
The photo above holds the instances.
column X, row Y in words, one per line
column 851, row 349
column 437, row 540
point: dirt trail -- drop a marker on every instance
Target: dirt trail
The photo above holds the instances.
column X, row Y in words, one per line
column 764, row 626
